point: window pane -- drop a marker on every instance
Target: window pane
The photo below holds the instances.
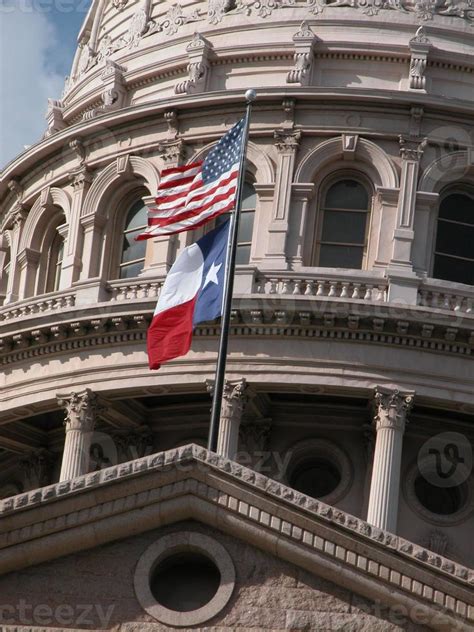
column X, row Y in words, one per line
column 246, row 226
column 131, row 270
column 455, row 239
column 137, row 216
column 456, row 270
column 347, row 194
column 340, row 256
column 343, row 227
column 133, row 249
column 458, row 207
column 249, row 197
column 242, row 255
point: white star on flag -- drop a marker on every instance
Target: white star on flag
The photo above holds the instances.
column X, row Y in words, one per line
column 211, row 276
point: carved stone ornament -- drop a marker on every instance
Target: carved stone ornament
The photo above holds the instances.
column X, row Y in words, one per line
column 287, row 140
column 172, row 151
column 424, row 9
column 419, row 46
column 392, row 407
column 81, row 410
column 234, row 399
column 412, row 149
column 16, row 189
column 120, row 4
column 304, row 40
column 217, row 9
column 199, row 67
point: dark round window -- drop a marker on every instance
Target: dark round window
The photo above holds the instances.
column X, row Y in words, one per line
column 316, row 478
column 439, row 500
column 185, row 581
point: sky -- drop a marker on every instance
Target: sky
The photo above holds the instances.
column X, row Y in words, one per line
column 38, row 39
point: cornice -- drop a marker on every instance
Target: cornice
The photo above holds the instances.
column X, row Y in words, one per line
column 294, row 317
column 190, row 482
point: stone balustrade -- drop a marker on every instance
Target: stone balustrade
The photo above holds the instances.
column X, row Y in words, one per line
column 133, row 289
column 375, row 290
column 456, row 300
column 30, row 307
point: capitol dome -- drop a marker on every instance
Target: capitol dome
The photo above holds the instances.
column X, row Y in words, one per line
column 342, row 491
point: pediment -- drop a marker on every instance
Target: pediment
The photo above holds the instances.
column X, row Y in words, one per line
column 190, row 483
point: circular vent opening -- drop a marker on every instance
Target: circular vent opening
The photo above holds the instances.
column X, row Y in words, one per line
column 443, row 501
column 185, row 581
column 316, row 478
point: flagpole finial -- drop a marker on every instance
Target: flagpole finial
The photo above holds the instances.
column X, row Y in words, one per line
column 250, row 95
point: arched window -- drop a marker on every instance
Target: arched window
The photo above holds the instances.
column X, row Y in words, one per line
column 133, row 252
column 54, row 263
column 343, row 225
column 247, row 216
column 454, row 253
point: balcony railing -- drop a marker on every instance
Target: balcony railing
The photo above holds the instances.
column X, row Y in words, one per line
column 32, row 306
column 364, row 287
column 372, row 289
column 455, row 299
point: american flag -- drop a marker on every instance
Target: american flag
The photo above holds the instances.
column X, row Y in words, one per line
column 194, row 194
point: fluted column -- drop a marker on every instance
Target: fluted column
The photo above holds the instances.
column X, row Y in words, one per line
column 390, row 421
column 81, row 414
column 234, row 399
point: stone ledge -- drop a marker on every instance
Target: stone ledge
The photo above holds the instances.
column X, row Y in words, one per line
column 275, row 510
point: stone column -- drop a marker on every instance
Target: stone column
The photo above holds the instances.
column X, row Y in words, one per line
column 81, row 413
column 390, row 420
column 234, row 399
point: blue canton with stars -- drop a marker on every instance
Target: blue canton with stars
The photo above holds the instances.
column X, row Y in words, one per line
column 225, row 154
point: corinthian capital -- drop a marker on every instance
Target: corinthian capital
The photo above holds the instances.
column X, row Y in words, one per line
column 392, row 407
column 287, row 140
column 234, row 399
column 81, row 410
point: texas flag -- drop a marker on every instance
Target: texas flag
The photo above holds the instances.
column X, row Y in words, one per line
column 191, row 294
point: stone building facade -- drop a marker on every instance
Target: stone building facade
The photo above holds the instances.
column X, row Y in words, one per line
column 342, row 495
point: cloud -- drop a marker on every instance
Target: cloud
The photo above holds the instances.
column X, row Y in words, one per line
column 27, row 76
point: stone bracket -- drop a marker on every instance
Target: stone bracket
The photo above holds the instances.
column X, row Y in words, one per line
column 304, row 41
column 199, row 52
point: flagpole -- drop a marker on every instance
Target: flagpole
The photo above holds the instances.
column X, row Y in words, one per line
column 250, row 96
